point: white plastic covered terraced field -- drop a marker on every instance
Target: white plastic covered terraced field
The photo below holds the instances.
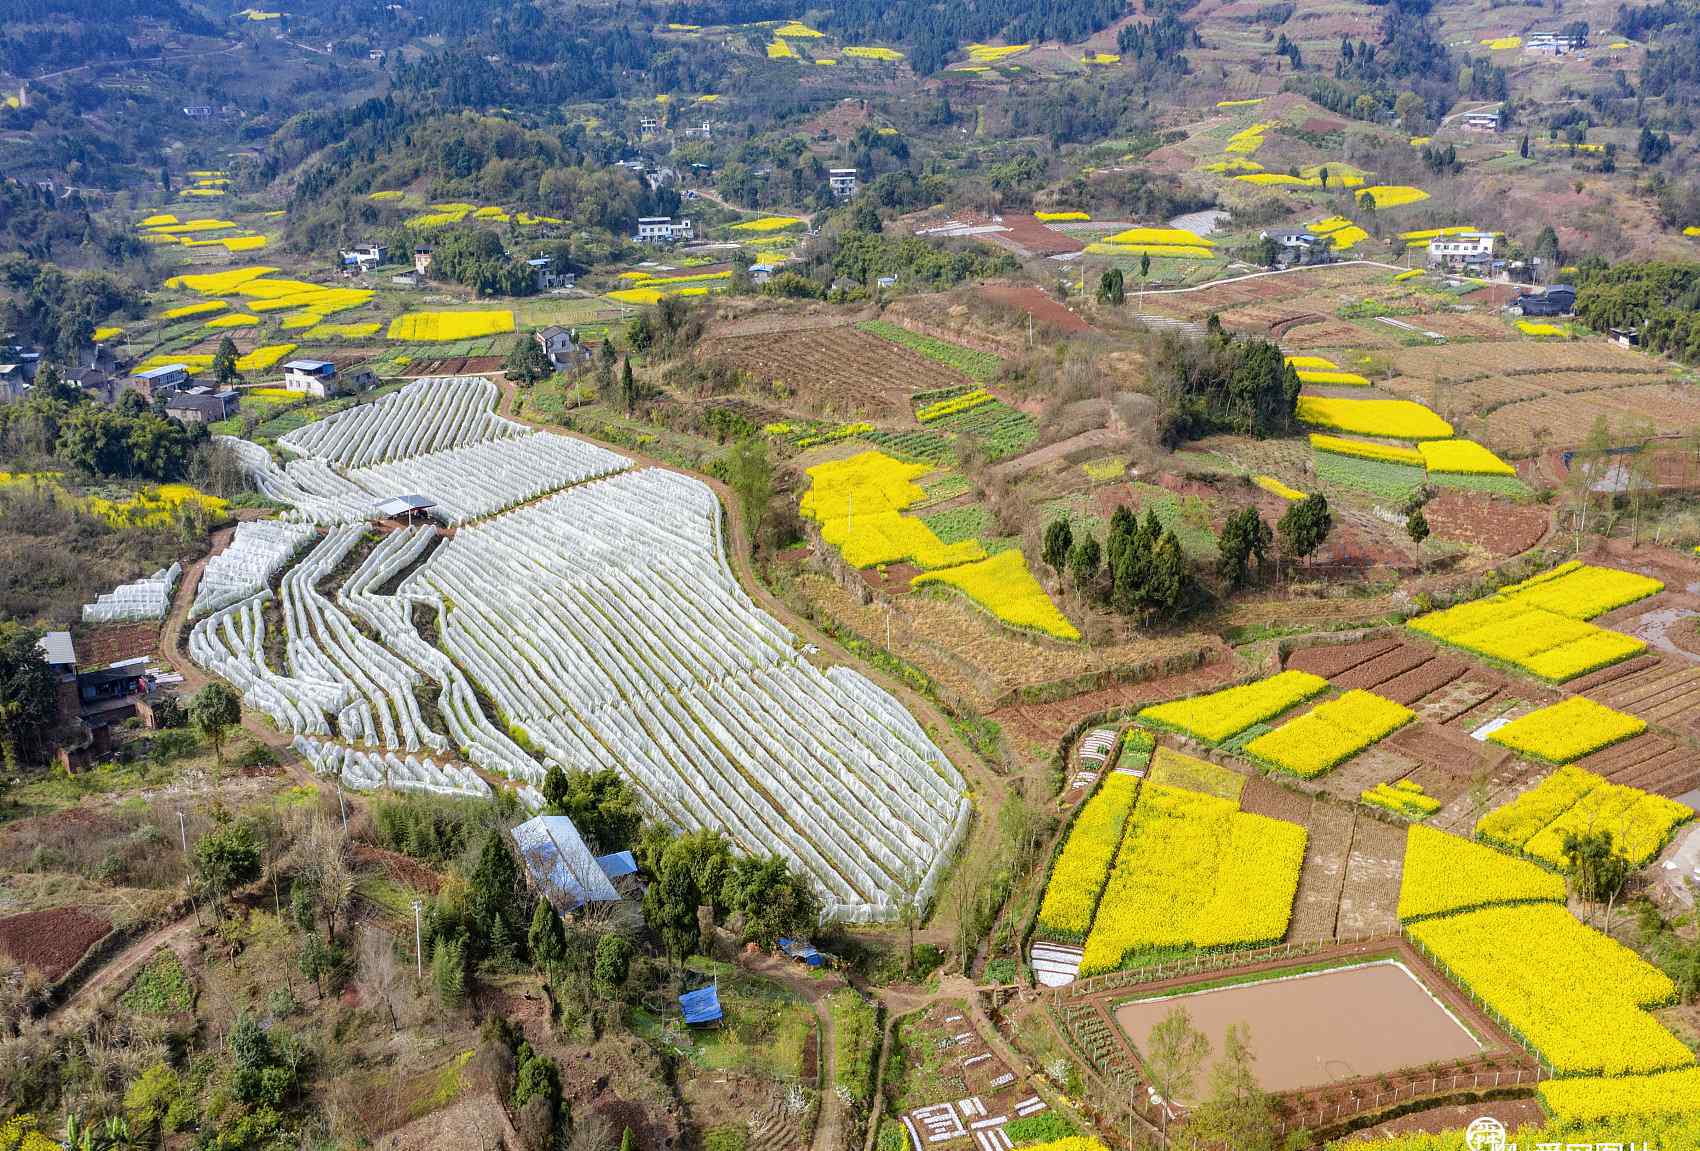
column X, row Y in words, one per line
column 592, row 604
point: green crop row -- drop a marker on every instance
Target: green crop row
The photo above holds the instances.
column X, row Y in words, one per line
column 981, row 366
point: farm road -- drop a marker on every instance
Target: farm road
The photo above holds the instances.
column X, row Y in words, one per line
column 829, row 1126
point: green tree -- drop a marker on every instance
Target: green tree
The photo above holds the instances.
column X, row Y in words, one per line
column 1416, row 526
column 51, row 384
column 1244, row 537
column 315, row 960
column 613, row 964
column 1059, row 538
column 495, row 900
column 29, row 704
column 1084, row 560
column 1112, row 288
column 226, row 857
column 527, row 361
column 1305, row 525
column 749, row 472
column 628, row 386
column 601, row 804
column 628, row 1141
column 548, row 943
column 448, row 971
column 773, row 900
column 670, row 908
column 1236, row 1113
column 1167, row 583
column 224, row 363
column 213, row 711
column 1175, row 1051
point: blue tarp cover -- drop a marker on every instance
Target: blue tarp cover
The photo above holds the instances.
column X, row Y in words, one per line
column 702, row 1005
column 618, row 864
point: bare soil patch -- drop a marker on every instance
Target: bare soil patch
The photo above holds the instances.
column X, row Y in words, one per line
column 837, row 371
column 51, row 941
column 1369, row 898
column 1499, row 527
column 1043, row 308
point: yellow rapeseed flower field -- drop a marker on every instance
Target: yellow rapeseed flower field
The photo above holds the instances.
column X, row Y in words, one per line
column 1577, row 997
column 1078, row 876
column 768, row 224
column 1003, row 586
column 1324, row 377
column 1062, row 216
column 1195, row 871
column 1405, row 797
column 1396, row 419
column 1446, row 873
column 1385, row 196
column 1545, row 643
column 218, row 283
column 1365, row 449
column 1275, row 487
column 993, row 53
column 1572, row 800
column 796, row 29
column 1219, row 715
column 1568, row 730
column 1597, row 1098
column 1183, row 237
column 873, row 52
column 263, row 358
column 187, row 227
column 459, row 325
column 780, row 49
column 1462, row 457
column 343, row 331
column 1330, row 733
column 101, row 335
column 1582, row 591
column 232, row 320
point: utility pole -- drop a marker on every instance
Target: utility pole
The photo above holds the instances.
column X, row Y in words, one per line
column 418, row 947
column 343, row 804
column 183, row 832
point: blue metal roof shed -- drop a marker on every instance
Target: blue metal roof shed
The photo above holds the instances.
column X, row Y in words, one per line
column 702, row 1005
